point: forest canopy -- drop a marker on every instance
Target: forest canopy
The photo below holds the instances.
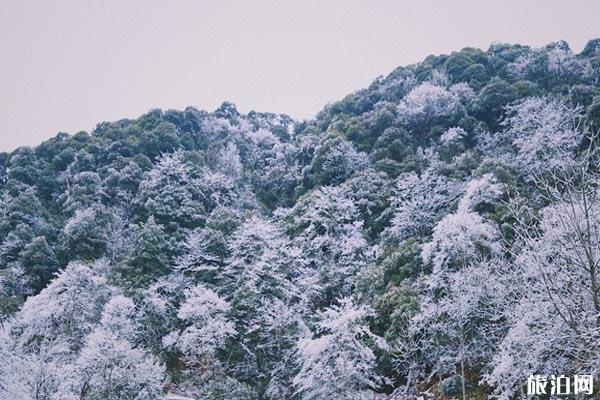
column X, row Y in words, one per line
column 435, row 234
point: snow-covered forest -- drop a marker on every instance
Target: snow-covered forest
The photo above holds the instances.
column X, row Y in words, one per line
column 434, row 235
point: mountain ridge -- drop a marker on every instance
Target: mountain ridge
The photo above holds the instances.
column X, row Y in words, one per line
column 392, row 247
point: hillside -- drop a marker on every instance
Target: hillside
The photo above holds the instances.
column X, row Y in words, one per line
column 435, row 234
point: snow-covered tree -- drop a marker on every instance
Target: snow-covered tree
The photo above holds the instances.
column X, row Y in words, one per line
column 170, row 193
column 338, row 362
column 27, row 258
column 15, row 371
column 203, row 252
column 428, row 100
column 208, row 327
column 338, row 160
column 119, row 316
column 457, row 297
column 67, row 308
column 84, row 236
column 219, row 190
column 229, row 162
column 52, row 327
column 110, row 366
column 21, row 205
column 84, row 190
column 273, row 169
column 458, row 328
column 118, row 234
column 258, row 263
column 465, row 235
column 544, row 134
column 258, row 281
column 554, row 323
column 333, row 248
column 419, row 200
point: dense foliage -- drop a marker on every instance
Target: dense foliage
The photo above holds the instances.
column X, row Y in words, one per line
column 435, row 234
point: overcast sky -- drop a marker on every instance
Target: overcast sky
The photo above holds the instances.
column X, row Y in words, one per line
column 67, row 65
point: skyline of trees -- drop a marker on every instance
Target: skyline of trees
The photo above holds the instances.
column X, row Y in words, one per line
column 435, row 234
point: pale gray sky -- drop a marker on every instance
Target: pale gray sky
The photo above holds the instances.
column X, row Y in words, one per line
column 66, row 65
